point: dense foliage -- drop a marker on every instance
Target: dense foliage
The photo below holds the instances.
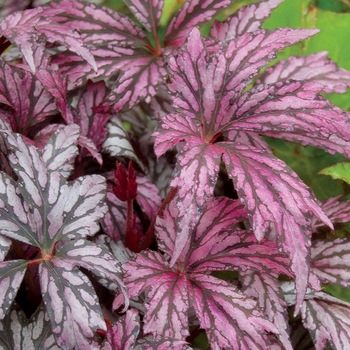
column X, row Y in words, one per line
column 141, row 206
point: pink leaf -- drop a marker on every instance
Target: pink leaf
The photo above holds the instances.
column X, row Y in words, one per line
column 277, row 202
column 182, row 282
column 229, row 317
column 293, row 111
column 272, row 193
column 247, row 19
column 163, row 284
column 327, row 319
column 114, row 222
column 192, row 14
column 61, row 149
column 270, row 299
column 208, row 88
column 148, row 13
column 336, row 209
column 330, row 260
column 216, row 242
column 316, row 67
column 29, row 101
column 147, row 196
column 25, row 28
column 92, row 124
column 118, row 45
column 123, row 334
column 89, row 145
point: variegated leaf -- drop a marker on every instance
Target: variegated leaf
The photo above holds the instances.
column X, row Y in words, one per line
column 137, row 82
column 217, row 243
column 32, row 28
column 92, row 124
column 277, row 202
column 8, row 7
column 11, row 276
column 337, row 210
column 182, row 282
column 60, row 151
column 17, row 332
column 114, row 222
column 202, row 172
column 123, row 334
column 193, row 13
column 327, row 319
column 16, row 221
column 96, row 259
column 89, row 145
column 229, row 317
column 294, row 109
column 46, row 209
column 71, row 304
column 118, row 45
column 316, row 67
column 285, row 212
column 43, row 136
column 54, row 82
column 160, row 104
column 5, row 244
column 165, row 285
column 78, row 208
column 208, row 88
column 148, row 13
column 147, row 196
column 267, row 292
column 118, row 143
column 247, row 19
column 222, row 311
column 29, row 101
column 330, row 261
column 149, row 343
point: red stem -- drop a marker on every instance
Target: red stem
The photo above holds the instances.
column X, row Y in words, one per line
column 130, row 225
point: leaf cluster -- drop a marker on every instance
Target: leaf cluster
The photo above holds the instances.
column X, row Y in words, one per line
column 140, row 203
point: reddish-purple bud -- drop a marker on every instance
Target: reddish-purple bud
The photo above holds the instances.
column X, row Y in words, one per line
column 126, row 186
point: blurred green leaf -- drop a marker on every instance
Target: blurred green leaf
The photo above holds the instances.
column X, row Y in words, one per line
column 334, row 36
column 307, row 162
column 333, row 5
column 339, row 171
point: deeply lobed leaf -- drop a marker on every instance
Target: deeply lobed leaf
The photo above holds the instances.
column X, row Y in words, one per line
column 179, row 278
